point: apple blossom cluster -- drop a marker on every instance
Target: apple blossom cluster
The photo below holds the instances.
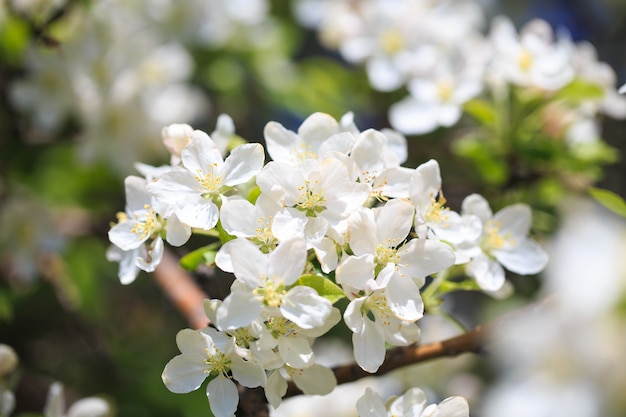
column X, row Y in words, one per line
column 333, row 214
column 55, row 403
column 437, row 51
column 410, row 404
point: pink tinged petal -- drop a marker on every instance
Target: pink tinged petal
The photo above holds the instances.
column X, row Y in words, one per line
column 200, row 154
column 177, row 232
column 137, row 195
column 488, row 273
column 184, row 374
column 249, row 263
column 123, row 236
column 369, row 346
column 404, row 298
column 412, row 403
column 295, row 351
column 303, row 306
column 223, row 396
column 514, row 220
column 371, row 405
column 286, row 262
column 356, row 271
column 423, row 257
column 243, row 163
column 248, row 373
column 526, row 258
column 152, row 258
column 394, row 221
column 275, row 388
column 411, row 117
column 239, row 309
column 362, row 232
column 453, row 407
column 200, row 213
column 315, row 380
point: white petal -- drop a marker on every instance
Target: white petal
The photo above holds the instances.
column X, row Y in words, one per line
column 275, row 388
column 223, row 396
column 89, row 407
column 453, row 407
column 369, row 346
column 404, row 298
column 425, row 184
column 238, row 218
column 356, row 271
column 394, row 221
column 303, row 306
column 137, row 195
column 515, row 219
column 315, row 380
column 423, row 257
column 55, row 402
column 526, row 258
column 411, row 117
column 371, row 405
column 488, row 273
column 477, row 205
column 295, row 351
column 412, row 403
column 239, row 309
column 248, row 373
column 123, row 235
column 148, row 261
column 199, row 212
column 200, row 153
column 183, row 374
column 243, row 163
column 249, row 263
column 286, row 262
column 177, row 233
column 362, row 232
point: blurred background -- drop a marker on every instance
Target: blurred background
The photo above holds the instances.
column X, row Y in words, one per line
column 86, row 87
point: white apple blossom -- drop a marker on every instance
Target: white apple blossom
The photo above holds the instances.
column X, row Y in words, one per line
column 504, row 242
column 317, row 197
column 263, row 280
column 442, row 223
column 138, row 236
column 207, row 353
column 412, row 403
column 378, row 240
column 373, row 324
column 194, row 190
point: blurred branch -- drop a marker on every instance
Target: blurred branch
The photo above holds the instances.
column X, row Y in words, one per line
column 186, row 295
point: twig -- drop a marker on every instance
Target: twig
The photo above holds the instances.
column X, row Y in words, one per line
column 186, row 295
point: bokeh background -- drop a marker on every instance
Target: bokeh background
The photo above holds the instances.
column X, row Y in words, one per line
column 87, row 85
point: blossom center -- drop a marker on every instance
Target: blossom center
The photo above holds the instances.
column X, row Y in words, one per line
column 210, row 182
column 148, row 224
column 386, row 253
column 303, row 152
column 272, row 293
column 391, row 41
column 437, row 213
column 493, row 238
column 525, row 60
column 217, row 363
column 310, row 199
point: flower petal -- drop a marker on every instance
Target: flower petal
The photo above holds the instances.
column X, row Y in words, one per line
column 223, row 396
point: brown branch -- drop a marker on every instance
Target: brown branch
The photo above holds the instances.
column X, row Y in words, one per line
column 186, row 295
column 471, row 341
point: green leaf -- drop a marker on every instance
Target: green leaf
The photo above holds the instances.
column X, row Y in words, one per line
column 324, row 287
column 482, row 111
column 203, row 255
column 610, row 200
column 580, row 90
